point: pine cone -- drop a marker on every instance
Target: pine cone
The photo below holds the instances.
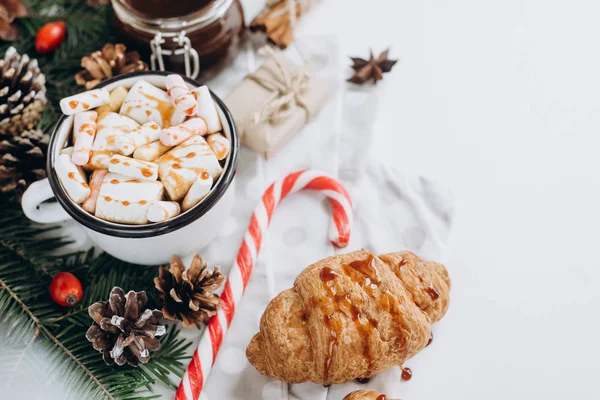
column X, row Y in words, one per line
column 110, row 61
column 187, row 295
column 10, row 11
column 23, row 160
column 22, row 93
column 121, row 331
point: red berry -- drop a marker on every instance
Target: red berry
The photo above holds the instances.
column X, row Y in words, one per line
column 66, row 289
column 50, row 36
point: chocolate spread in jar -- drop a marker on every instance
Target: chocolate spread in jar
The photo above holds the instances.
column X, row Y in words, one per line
column 167, row 8
column 216, row 40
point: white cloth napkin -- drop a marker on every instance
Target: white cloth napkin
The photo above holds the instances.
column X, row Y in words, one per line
column 393, row 211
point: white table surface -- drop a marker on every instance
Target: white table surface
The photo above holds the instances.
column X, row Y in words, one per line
column 500, row 101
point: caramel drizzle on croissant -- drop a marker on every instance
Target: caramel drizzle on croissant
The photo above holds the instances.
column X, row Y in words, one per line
column 350, row 316
column 363, row 274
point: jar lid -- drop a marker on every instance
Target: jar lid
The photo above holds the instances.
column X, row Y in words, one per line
column 169, row 27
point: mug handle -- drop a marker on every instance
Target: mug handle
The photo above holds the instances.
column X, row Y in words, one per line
column 32, row 206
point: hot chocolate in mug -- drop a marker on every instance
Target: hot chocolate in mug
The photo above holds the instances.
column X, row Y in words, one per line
column 148, row 244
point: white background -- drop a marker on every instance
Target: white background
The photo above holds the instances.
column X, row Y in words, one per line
column 500, row 100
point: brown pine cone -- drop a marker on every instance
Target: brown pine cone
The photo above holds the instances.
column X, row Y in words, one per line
column 10, row 11
column 187, row 295
column 111, row 61
column 22, row 92
column 23, row 160
column 122, row 331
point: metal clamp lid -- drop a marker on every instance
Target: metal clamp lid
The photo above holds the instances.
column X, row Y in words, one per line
column 184, row 48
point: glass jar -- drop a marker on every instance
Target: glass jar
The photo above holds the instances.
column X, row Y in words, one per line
column 194, row 37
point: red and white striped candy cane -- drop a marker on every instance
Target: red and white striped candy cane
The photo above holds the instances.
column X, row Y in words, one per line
column 341, row 206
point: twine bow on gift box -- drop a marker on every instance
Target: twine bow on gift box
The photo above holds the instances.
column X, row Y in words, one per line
column 286, row 89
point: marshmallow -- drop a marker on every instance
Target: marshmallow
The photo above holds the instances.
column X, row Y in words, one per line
column 178, row 134
column 69, row 151
column 145, row 103
column 179, row 167
column 72, row 180
column 143, row 134
column 115, row 102
column 160, row 211
column 126, row 200
column 179, row 92
column 134, row 168
column 219, row 144
column 84, row 101
column 95, row 182
column 84, row 129
column 99, row 159
column 207, row 109
column 151, row 151
column 199, row 190
column 110, row 126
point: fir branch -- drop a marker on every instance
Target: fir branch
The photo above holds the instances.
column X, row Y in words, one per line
column 80, row 364
column 67, row 315
column 20, row 302
column 26, row 304
column 23, row 256
column 41, row 328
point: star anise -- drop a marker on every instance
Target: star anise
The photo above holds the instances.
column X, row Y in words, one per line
column 373, row 68
column 9, row 11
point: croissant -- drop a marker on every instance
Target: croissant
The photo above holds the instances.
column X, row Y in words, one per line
column 365, row 395
column 350, row 316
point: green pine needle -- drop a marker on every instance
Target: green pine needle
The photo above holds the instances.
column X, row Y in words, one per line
column 34, row 326
column 88, row 29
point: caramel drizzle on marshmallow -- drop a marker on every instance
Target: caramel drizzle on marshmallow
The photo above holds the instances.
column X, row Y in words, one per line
column 178, row 134
column 181, row 95
column 151, row 151
column 84, row 126
column 198, row 191
column 160, row 211
column 89, row 204
column 138, row 137
column 72, row 180
column 84, row 101
column 134, row 168
column 219, row 144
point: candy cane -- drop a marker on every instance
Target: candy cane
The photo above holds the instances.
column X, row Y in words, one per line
column 341, row 206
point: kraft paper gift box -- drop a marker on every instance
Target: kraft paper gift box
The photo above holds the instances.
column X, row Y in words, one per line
column 272, row 104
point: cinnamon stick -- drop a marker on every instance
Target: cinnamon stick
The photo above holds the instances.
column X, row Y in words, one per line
column 258, row 23
column 272, row 23
column 276, row 23
column 286, row 38
column 274, row 37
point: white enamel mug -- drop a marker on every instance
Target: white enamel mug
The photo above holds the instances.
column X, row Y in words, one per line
column 149, row 244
